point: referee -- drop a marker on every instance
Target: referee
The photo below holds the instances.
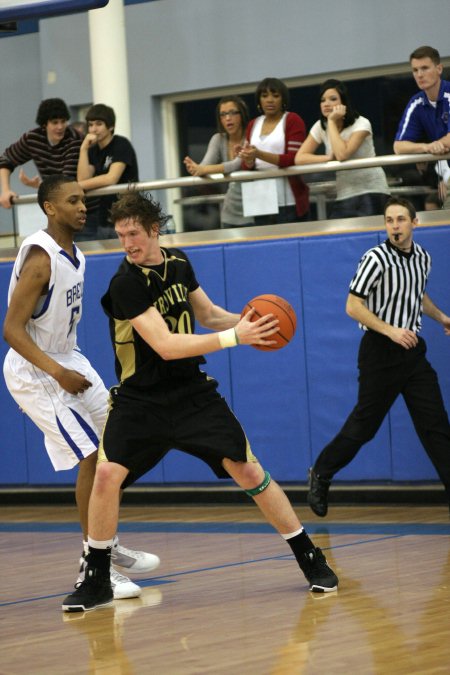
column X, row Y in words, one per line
column 387, row 297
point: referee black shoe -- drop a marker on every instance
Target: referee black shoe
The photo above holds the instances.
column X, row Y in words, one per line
column 320, row 576
column 317, row 496
column 95, row 591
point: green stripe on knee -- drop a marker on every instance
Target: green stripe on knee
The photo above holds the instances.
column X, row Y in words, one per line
column 260, row 488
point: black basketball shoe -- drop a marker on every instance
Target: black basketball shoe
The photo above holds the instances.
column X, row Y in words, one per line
column 317, row 496
column 95, row 591
column 314, row 566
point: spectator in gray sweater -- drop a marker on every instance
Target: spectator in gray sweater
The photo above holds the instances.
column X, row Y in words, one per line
column 232, row 117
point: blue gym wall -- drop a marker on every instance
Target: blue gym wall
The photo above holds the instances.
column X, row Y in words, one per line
column 291, row 402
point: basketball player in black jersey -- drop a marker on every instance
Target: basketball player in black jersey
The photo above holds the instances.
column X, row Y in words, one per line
column 164, row 400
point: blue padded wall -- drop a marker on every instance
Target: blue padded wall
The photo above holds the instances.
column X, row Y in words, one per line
column 269, row 388
column 332, row 340
column 290, row 402
column 13, row 464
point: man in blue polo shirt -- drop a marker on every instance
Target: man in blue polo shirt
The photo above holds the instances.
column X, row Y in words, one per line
column 425, row 124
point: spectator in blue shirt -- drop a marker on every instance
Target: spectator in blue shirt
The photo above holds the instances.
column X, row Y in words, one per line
column 425, row 124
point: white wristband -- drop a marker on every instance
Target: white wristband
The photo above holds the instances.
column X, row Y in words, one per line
column 228, row 338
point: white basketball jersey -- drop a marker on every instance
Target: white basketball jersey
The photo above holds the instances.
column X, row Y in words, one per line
column 53, row 326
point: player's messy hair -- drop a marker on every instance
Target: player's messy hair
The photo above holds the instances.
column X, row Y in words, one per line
column 142, row 207
column 52, row 109
column 49, row 186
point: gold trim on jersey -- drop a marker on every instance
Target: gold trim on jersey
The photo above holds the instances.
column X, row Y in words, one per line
column 250, row 457
column 101, row 454
column 124, row 346
column 175, row 295
column 148, row 270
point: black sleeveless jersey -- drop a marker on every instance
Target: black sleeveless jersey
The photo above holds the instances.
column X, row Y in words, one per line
column 132, row 290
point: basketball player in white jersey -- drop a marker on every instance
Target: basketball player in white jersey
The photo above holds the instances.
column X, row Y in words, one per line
column 46, row 374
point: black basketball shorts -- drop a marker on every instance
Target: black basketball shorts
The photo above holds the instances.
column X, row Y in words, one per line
column 190, row 416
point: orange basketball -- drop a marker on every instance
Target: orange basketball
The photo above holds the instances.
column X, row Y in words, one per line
column 282, row 310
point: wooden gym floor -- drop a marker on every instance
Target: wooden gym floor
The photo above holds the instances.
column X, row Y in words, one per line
column 228, row 597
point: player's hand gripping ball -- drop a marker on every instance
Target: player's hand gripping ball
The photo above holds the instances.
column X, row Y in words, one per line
column 282, row 310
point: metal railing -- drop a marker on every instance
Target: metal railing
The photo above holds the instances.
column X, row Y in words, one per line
column 241, row 176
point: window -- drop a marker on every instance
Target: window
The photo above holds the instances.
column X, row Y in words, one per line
column 379, row 96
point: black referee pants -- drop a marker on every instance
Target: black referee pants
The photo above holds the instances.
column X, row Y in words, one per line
column 385, row 371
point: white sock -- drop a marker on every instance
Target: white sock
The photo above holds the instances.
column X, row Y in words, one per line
column 100, row 544
column 292, row 534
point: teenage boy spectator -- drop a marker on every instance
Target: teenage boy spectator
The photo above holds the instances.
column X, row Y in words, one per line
column 54, row 147
column 105, row 159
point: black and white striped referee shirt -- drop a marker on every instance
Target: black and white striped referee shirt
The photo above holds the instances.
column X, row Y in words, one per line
column 393, row 283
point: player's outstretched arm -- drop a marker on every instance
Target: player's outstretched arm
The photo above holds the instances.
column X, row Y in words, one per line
column 153, row 329
column 210, row 315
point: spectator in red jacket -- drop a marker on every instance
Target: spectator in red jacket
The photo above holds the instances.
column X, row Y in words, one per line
column 272, row 141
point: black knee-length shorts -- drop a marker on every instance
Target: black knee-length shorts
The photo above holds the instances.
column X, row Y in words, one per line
column 191, row 416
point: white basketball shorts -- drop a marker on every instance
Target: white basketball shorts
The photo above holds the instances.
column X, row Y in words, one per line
column 71, row 424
